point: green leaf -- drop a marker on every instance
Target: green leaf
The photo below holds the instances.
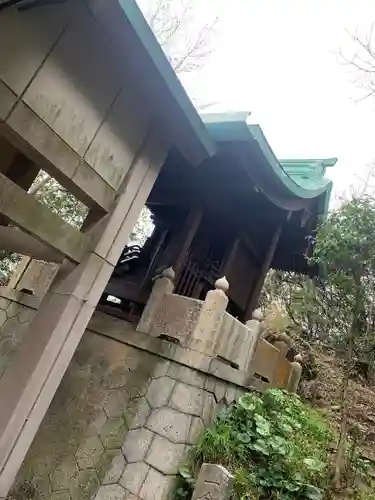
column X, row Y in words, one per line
column 313, row 493
column 184, row 472
column 249, row 402
column 260, row 446
column 243, row 437
column 314, row 464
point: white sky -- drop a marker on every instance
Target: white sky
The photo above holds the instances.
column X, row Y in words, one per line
column 280, row 60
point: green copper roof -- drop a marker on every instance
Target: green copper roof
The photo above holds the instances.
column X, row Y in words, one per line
column 297, row 178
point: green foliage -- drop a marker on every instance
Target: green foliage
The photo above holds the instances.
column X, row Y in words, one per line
column 60, row 201
column 275, row 446
column 8, row 261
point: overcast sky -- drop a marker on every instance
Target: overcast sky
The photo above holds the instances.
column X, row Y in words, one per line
column 280, row 60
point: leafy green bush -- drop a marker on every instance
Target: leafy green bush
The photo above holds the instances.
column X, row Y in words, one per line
column 275, row 446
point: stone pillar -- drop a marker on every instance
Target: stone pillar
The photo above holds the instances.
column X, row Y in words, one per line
column 214, row 482
column 254, row 326
column 162, row 286
column 295, row 375
column 204, row 337
column 30, row 382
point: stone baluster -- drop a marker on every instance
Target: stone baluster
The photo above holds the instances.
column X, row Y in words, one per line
column 296, row 373
column 163, row 284
column 207, row 329
column 214, row 482
column 254, row 326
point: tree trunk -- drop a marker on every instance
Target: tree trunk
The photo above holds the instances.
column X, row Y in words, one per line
column 340, row 453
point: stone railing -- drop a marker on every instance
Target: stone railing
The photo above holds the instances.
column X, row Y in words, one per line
column 205, row 326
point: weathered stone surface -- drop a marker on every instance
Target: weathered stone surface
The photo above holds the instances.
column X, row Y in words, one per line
column 187, row 399
column 170, row 423
column 214, row 482
column 196, row 430
column 110, row 466
column 63, row 475
column 219, row 390
column 209, row 408
column 156, row 486
column 187, row 375
column 134, row 476
column 161, row 368
column 137, row 413
column 113, row 433
column 160, row 391
column 84, row 485
column 111, row 492
column 116, row 402
column 60, row 495
column 88, row 454
column 165, row 456
column 137, row 444
column 230, row 394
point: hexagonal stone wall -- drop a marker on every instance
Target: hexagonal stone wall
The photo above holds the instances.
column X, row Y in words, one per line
column 119, row 425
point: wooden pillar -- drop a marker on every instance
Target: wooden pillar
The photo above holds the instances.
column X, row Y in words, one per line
column 230, row 256
column 30, row 382
column 180, row 244
column 252, row 303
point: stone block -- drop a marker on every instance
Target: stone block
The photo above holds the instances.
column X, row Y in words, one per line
column 156, row 486
column 230, row 394
column 137, row 444
column 220, row 390
column 187, row 399
column 113, row 433
column 170, row 423
column 192, row 358
column 196, row 430
column 111, row 492
column 209, row 408
column 63, row 475
column 137, row 413
column 161, row 368
column 165, row 456
column 186, row 375
column 116, row 402
column 213, row 482
column 134, row 476
column 89, row 452
column 210, row 384
column 160, row 391
column 110, row 466
column 119, row 373
column 85, row 485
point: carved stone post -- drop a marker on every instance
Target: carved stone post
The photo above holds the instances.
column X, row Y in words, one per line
column 295, row 375
column 254, row 325
column 163, row 285
column 214, row 482
column 208, row 325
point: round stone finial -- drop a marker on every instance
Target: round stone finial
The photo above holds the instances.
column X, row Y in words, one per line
column 168, row 273
column 257, row 314
column 298, row 358
column 222, row 284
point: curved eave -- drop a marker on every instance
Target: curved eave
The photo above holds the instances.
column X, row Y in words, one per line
column 303, row 186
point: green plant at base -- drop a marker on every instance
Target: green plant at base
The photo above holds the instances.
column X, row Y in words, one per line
column 275, row 446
